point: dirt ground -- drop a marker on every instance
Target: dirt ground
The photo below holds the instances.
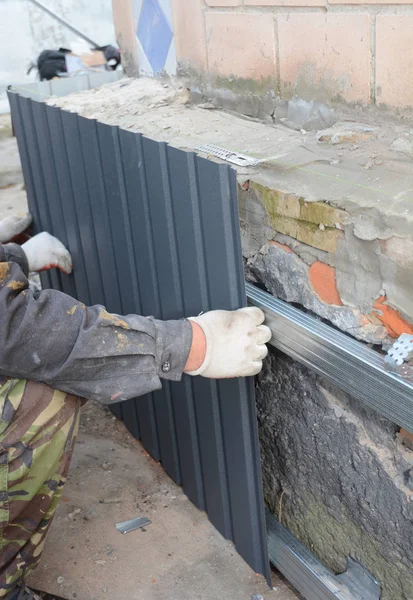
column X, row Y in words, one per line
column 180, row 556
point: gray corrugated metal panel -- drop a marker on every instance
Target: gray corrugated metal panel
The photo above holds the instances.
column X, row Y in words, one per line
column 155, row 230
column 37, row 90
column 67, row 85
column 343, row 360
column 24, row 122
column 42, row 90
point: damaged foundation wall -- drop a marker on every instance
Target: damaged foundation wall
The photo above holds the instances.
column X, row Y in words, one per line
column 354, row 269
column 338, row 476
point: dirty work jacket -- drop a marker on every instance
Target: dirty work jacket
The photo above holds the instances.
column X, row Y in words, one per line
column 50, row 337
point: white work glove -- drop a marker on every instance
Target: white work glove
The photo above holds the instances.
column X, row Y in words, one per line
column 12, row 226
column 43, row 251
column 235, row 343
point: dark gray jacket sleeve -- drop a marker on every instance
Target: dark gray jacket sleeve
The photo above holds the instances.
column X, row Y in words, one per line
column 85, row 351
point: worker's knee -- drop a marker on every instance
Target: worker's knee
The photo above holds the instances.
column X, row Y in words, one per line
column 38, row 427
column 32, row 413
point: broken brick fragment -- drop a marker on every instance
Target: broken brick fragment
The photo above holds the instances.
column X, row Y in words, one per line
column 279, row 245
column 391, row 318
column 323, row 280
column 406, row 438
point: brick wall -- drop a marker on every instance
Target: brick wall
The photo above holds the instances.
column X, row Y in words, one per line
column 357, row 51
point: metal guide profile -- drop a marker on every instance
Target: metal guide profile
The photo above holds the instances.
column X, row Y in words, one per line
column 236, row 158
column 343, row 360
column 309, row 576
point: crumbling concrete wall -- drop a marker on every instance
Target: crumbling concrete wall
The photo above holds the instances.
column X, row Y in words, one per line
column 336, row 474
column 355, row 270
column 346, row 50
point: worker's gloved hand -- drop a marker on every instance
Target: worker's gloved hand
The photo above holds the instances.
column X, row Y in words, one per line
column 43, row 251
column 235, row 343
column 12, row 226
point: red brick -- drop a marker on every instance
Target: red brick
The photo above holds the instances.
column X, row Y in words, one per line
column 189, row 28
column 283, row 246
column 323, row 280
column 394, row 322
column 241, row 45
column 327, row 53
column 394, row 60
column 406, row 438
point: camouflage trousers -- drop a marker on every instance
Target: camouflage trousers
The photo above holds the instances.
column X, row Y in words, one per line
column 38, row 428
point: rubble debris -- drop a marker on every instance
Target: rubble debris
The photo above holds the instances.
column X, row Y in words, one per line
column 343, row 133
column 76, row 511
column 403, row 145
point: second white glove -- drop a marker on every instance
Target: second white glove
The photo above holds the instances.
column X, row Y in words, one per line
column 43, row 251
column 12, row 226
column 235, row 343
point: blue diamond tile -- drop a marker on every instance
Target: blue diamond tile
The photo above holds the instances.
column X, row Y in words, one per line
column 155, row 34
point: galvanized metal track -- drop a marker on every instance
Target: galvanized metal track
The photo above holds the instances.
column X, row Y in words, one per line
column 309, row 576
column 344, row 361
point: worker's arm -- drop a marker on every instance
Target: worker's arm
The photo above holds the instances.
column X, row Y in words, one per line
column 50, row 337
column 86, row 351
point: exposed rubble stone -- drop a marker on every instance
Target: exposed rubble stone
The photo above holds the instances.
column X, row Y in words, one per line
column 285, row 275
column 363, row 267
